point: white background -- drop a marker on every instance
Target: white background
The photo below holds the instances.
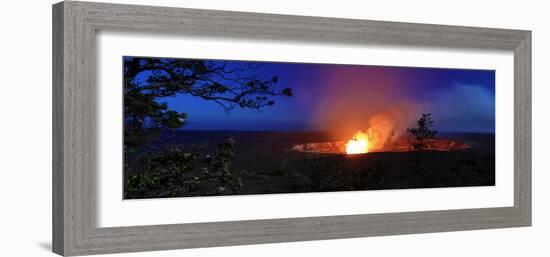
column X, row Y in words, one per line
column 25, row 128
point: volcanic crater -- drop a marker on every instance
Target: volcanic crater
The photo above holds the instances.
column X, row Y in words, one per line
column 399, row 145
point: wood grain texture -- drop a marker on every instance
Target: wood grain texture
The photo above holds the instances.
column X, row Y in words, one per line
column 522, row 128
column 75, row 25
column 58, row 229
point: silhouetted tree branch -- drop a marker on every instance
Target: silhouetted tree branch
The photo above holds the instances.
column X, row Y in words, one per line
column 146, row 80
column 422, row 131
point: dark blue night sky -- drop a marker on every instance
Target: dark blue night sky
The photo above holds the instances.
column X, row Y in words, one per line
column 329, row 96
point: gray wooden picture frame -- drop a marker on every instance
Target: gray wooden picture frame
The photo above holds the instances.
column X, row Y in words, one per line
column 75, row 25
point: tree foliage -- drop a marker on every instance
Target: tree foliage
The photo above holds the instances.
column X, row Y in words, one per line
column 148, row 80
column 176, row 172
column 173, row 171
column 422, row 132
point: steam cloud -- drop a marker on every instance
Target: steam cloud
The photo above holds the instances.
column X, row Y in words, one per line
column 387, row 126
column 373, row 104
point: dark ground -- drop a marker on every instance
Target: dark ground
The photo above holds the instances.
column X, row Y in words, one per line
column 266, row 164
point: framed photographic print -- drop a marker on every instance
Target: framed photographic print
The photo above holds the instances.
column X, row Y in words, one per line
column 182, row 128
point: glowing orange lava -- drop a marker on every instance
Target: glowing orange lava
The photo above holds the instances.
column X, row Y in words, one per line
column 358, row 144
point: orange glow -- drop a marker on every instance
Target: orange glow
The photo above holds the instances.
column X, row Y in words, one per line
column 358, row 144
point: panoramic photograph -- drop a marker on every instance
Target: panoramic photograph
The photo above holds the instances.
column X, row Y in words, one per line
column 202, row 127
